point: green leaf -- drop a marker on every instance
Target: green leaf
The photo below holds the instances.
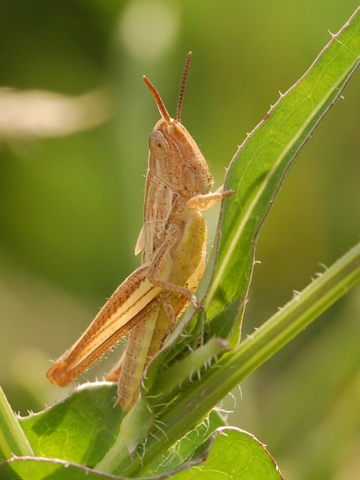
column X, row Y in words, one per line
column 234, row 454
column 176, row 378
column 25, row 468
column 227, row 453
column 80, row 429
column 186, row 446
column 265, row 158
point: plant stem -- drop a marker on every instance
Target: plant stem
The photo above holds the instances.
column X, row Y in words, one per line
column 12, row 438
column 188, row 410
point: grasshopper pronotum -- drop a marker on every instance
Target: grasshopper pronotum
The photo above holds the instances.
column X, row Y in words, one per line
column 173, row 239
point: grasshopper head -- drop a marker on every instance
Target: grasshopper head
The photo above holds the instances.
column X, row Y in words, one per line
column 174, row 156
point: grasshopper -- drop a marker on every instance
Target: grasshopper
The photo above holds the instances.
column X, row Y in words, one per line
column 173, row 240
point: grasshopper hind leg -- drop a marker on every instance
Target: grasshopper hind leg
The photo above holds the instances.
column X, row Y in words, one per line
column 131, row 366
column 144, row 342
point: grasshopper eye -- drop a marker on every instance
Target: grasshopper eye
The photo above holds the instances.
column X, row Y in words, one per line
column 159, row 146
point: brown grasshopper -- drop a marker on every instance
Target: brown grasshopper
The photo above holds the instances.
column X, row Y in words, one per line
column 173, row 239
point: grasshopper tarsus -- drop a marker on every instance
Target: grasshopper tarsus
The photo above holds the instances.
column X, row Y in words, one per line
column 195, row 303
column 228, row 193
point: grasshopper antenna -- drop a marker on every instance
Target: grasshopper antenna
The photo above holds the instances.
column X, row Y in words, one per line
column 182, row 88
column 162, row 109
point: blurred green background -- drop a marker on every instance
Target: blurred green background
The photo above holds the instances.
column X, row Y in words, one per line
column 74, row 138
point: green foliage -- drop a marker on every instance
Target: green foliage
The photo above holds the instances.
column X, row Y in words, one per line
column 64, row 432
column 169, row 431
column 74, row 440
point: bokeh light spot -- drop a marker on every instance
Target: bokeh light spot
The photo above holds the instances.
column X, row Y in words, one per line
column 149, row 28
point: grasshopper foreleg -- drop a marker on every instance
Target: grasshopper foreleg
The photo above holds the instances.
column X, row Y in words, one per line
column 204, row 202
